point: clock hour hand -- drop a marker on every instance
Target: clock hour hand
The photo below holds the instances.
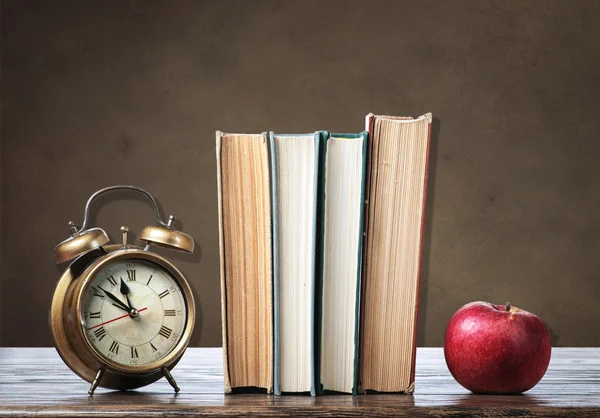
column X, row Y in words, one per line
column 125, row 291
column 116, row 300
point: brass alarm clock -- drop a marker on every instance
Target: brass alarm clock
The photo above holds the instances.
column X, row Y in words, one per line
column 122, row 315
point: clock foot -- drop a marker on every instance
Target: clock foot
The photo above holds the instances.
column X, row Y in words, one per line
column 172, row 381
column 96, row 382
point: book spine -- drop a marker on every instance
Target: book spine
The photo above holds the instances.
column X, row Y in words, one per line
column 369, row 124
column 316, row 190
column 275, row 252
column 227, row 383
column 319, row 259
column 265, row 141
column 355, row 386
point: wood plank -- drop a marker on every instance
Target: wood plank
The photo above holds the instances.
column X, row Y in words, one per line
column 35, row 382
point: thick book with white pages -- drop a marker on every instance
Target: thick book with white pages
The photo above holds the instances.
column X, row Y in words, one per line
column 295, row 179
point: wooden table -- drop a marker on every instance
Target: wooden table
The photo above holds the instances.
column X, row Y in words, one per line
column 35, row 382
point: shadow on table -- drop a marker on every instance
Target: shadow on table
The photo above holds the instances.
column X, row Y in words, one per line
column 132, row 398
column 473, row 400
column 337, row 402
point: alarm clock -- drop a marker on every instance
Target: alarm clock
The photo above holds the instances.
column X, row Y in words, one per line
column 121, row 315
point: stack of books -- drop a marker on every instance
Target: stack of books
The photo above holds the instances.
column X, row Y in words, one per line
column 320, row 239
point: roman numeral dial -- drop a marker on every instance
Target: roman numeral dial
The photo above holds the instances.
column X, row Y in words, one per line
column 165, row 331
column 97, row 293
column 114, row 347
column 112, row 280
column 100, row 333
column 159, row 321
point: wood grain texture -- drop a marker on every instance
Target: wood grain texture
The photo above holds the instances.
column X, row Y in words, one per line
column 35, row 382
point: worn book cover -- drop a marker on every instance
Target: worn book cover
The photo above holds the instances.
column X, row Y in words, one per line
column 393, row 235
column 244, row 204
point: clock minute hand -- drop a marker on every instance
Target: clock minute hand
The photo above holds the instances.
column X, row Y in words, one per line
column 115, row 299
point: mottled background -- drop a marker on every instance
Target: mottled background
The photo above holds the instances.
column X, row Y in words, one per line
column 107, row 92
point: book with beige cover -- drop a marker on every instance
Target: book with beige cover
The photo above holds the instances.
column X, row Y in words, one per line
column 394, row 216
column 246, row 260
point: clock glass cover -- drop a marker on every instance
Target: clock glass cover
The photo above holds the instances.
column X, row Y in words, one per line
column 133, row 313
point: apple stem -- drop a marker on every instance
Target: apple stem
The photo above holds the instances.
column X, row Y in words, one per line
column 507, row 306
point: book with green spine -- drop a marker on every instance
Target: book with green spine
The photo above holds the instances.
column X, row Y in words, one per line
column 340, row 251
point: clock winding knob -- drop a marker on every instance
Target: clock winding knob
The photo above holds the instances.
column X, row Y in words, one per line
column 124, row 230
column 73, row 228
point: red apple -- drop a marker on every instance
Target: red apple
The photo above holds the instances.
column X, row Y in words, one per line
column 496, row 348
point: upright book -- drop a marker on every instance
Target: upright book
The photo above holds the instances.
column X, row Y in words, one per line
column 341, row 206
column 246, row 262
column 295, row 175
column 396, row 191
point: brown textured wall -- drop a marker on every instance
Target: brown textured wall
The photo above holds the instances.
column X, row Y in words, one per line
column 100, row 93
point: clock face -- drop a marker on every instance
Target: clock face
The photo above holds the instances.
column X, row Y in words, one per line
column 133, row 312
